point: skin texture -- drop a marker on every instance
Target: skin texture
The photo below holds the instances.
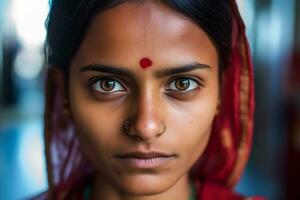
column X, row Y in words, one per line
column 120, row 37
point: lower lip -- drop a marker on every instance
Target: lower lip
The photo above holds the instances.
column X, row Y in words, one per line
column 146, row 163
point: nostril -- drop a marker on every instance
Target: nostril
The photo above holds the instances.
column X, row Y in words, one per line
column 144, row 131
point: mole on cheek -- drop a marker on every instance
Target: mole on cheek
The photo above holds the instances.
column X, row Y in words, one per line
column 145, row 63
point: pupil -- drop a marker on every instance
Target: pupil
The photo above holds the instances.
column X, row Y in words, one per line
column 107, row 85
column 182, row 84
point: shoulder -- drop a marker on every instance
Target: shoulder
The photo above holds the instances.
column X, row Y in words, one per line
column 213, row 191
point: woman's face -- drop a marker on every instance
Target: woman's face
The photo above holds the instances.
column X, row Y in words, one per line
column 107, row 86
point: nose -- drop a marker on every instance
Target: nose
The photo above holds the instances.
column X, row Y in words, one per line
column 147, row 123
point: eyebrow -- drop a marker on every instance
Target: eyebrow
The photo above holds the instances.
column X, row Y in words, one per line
column 180, row 69
column 158, row 73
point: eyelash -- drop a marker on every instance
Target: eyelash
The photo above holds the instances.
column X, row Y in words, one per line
column 197, row 82
column 93, row 81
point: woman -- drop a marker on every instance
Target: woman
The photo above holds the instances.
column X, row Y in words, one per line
column 147, row 99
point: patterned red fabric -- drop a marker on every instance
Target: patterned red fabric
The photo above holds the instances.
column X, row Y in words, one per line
column 229, row 147
column 217, row 171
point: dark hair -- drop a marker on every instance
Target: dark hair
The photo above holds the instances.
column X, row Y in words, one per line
column 68, row 21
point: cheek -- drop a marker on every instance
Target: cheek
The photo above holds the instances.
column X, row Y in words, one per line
column 95, row 125
column 195, row 140
column 98, row 134
column 88, row 114
column 193, row 126
column 197, row 127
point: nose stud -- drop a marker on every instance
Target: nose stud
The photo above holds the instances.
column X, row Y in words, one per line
column 126, row 125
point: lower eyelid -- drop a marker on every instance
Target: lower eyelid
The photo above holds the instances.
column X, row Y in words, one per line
column 183, row 92
column 183, row 95
column 108, row 97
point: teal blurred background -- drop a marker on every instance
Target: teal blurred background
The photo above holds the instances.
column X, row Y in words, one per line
column 273, row 29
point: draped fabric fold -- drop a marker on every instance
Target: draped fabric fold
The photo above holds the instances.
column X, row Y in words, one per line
column 230, row 143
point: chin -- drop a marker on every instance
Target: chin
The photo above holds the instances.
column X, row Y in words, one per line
column 147, row 185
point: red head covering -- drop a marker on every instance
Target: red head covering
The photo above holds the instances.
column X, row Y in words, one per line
column 223, row 160
column 229, row 147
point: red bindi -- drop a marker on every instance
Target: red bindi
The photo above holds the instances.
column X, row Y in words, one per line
column 145, row 63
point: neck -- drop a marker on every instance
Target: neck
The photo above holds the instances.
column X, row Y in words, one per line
column 103, row 189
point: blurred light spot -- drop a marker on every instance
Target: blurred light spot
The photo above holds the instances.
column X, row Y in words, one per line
column 28, row 64
column 247, row 11
column 275, row 37
column 29, row 17
column 263, row 35
column 30, row 156
column 248, row 14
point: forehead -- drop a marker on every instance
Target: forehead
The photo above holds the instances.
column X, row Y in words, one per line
column 146, row 20
column 135, row 30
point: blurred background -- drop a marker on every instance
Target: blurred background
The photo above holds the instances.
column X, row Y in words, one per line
column 273, row 28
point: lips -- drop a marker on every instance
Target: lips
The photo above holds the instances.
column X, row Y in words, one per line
column 144, row 155
column 145, row 160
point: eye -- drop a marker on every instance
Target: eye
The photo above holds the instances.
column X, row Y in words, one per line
column 183, row 84
column 107, row 85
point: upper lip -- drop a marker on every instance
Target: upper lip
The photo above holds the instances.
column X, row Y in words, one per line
column 145, row 155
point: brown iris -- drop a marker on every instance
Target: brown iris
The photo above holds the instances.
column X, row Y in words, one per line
column 182, row 84
column 107, row 84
